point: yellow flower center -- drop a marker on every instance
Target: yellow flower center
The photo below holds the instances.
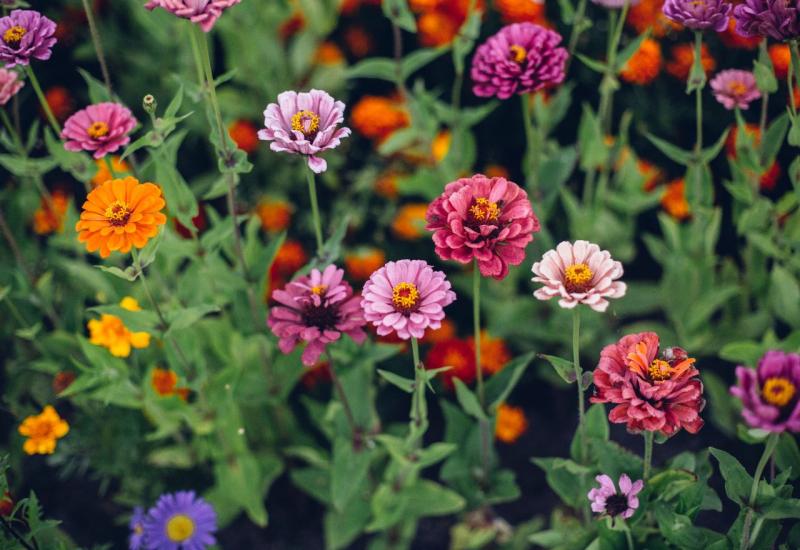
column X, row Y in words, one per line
column 13, row 36
column 577, row 277
column 97, row 130
column 518, row 54
column 305, row 122
column 778, row 391
column 737, row 87
column 118, row 213
column 319, row 290
column 405, row 296
column 660, row 370
column 484, row 211
column 179, row 528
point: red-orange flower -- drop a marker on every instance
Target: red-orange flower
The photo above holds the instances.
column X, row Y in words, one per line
column 49, row 217
column 164, row 382
column 358, row 41
column 674, row 202
column 409, row 223
column 445, row 332
column 376, row 117
column 364, row 262
column 386, row 185
column 769, row 179
column 290, row 258
column 644, row 65
column 651, row 173
column 329, row 53
column 275, row 214
column 494, row 352
column 649, row 14
column 453, row 353
column 781, row 57
column 682, row 58
column 520, row 11
column 103, row 174
column 510, row 424
column 245, row 134
column 60, row 102
column 733, row 39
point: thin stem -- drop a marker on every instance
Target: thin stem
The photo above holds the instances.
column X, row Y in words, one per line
column 312, row 193
column 13, row 532
column 769, row 447
column 698, row 55
column 37, row 179
column 418, row 408
column 397, row 38
column 648, row 454
column 576, row 364
column 348, row 412
column 762, row 124
column 577, row 29
column 458, row 82
column 51, row 118
column 476, row 327
column 628, row 537
column 110, row 166
column 98, row 45
column 532, row 146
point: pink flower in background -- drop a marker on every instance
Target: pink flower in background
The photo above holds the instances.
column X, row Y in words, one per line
column 305, row 123
column 770, row 394
column 25, row 34
column 579, row 273
column 607, row 500
column 102, row 128
column 521, row 58
column 488, row 219
column 202, row 12
column 735, row 88
column 10, row 84
column 316, row 308
column 406, row 297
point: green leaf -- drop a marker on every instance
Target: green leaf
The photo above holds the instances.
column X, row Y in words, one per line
column 343, row 527
column 564, row 368
column 773, row 140
column 787, row 455
column 400, row 14
column 348, row 471
column 724, row 414
column 381, row 68
column 405, row 384
column 98, row 93
column 737, row 481
column 593, row 64
column 785, row 295
column 671, row 151
column 468, row 400
column 500, row 385
column 129, row 274
column 746, row 353
column 627, row 52
column 765, row 75
column 780, row 508
column 427, row 498
column 591, row 141
column 419, row 58
column 184, row 318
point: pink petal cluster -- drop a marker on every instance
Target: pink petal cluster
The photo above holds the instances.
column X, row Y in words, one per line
column 25, row 34
column 651, row 393
column 735, row 88
column 771, row 394
column 10, row 84
column 202, row 12
column 305, row 123
column 486, row 219
column 406, row 297
column 317, row 309
column 579, row 273
column 606, row 500
column 102, row 128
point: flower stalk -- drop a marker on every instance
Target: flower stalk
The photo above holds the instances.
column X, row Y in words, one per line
column 37, row 88
column 769, row 448
column 98, row 45
column 312, row 193
column 648, row 454
column 576, row 363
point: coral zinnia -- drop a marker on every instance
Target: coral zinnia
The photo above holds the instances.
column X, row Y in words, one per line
column 644, row 65
column 606, row 500
column 102, row 128
column 180, row 521
column 25, row 34
column 409, row 223
column 486, row 219
column 10, row 84
column 245, row 135
column 201, row 12
column 456, row 354
column 120, row 214
column 364, row 262
column 275, row 214
column 42, row 431
column 735, row 88
column 771, row 393
column 49, row 217
column 164, row 382
column 650, row 393
column 376, row 117
column 494, row 352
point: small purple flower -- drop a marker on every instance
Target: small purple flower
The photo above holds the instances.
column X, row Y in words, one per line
column 606, row 500
column 304, row 123
column 202, row 12
column 735, row 88
column 770, row 392
column 10, row 84
column 102, row 128
column 699, row 14
column 317, row 308
column 25, row 34
column 778, row 19
column 136, row 539
column 180, row 521
column 519, row 59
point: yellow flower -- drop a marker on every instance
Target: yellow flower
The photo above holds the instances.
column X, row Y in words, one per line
column 511, row 423
column 42, row 431
column 111, row 333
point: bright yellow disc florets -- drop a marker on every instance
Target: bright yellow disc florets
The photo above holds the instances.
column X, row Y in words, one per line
column 405, row 296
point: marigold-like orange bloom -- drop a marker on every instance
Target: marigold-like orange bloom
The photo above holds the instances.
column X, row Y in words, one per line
column 680, row 64
column 376, row 117
column 494, row 353
column 733, row 39
column 245, row 135
column 649, row 14
column 511, row 423
column 441, row 145
column 520, row 11
column 644, row 65
column 329, row 53
column 651, row 173
column 60, row 102
column 358, row 41
column 120, row 214
column 781, row 57
column 364, row 262
column 49, row 217
column 103, row 174
column 421, row 6
column 164, row 381
column 674, row 202
column 437, row 28
column 290, row 258
column 453, row 353
column 275, row 214
column 447, row 331
column 110, row 332
column 386, row 185
column 42, row 431
column 409, row 223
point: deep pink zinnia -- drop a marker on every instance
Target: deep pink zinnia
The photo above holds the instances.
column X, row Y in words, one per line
column 316, row 308
column 406, row 297
column 202, row 12
column 771, row 394
column 305, row 123
column 651, row 393
column 488, row 219
column 25, row 34
column 102, row 128
column 10, row 84
column 735, row 88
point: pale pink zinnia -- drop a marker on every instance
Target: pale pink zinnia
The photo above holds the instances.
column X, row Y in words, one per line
column 317, row 309
column 102, row 128
column 606, row 500
column 10, row 84
column 406, row 297
column 202, row 12
column 305, row 123
column 486, row 219
column 735, row 88
column 579, row 273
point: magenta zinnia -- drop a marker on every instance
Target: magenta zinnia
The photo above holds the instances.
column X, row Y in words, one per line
column 486, row 219
column 102, row 128
column 25, row 34
column 202, row 12
column 770, row 393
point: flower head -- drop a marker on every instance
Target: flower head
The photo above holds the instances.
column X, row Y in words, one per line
column 290, row 258
column 519, row 59
column 377, row 117
column 164, row 382
column 25, row 34
column 42, row 431
column 456, row 354
column 119, row 215
column 363, row 262
column 245, row 135
column 102, row 128
column 136, row 525
column 674, row 202
column 316, row 308
column 781, row 57
column 607, row 500
column 579, row 273
column 777, row 19
column 682, row 58
column 406, row 297
column 409, row 222
column 650, row 392
column 201, row 12
column 486, row 219
column 275, row 214
column 735, row 88
column 10, row 84
column 180, row 521
column 699, row 14
column 49, row 217
column 649, row 15
column 771, row 393
column 305, row 123
column 644, row 65
column 519, row 11
column 510, row 424
column 103, row 174
column 494, row 352
column 110, row 332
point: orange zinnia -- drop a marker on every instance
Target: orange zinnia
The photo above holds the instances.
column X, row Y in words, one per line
column 494, row 353
column 409, row 224
column 329, row 53
column 275, row 214
column 364, row 262
column 511, row 423
column 520, row 11
column 683, row 57
column 649, row 14
column 120, row 214
column 49, row 217
column 377, row 117
column 781, row 58
column 245, row 134
column 644, row 65
column 674, row 202
column 103, row 174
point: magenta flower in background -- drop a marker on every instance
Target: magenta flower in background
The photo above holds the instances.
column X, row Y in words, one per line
column 521, row 58
column 136, row 538
column 10, row 84
column 579, row 273
column 102, row 128
column 706, row 14
column 406, row 297
column 486, row 219
column 202, row 12
column 777, row 19
column 305, row 123
column 316, row 308
column 735, row 88
column 770, row 392
column 180, row 521
column 25, row 34
column 607, row 500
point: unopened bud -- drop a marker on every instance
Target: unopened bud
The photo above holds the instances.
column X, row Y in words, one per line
column 149, row 103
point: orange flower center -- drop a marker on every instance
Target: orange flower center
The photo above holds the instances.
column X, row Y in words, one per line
column 518, row 54
column 738, row 88
column 778, row 391
column 660, row 370
column 42, row 429
column 97, row 130
column 577, row 277
column 118, row 213
column 405, row 296
column 319, row 290
column 13, row 36
column 482, row 210
column 454, row 359
column 305, row 122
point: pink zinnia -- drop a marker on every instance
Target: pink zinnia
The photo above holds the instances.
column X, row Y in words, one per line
column 579, row 273
column 202, row 12
column 316, row 308
column 102, row 128
column 10, row 84
column 406, row 297
column 606, row 500
column 25, row 34
column 651, row 393
column 305, row 123
column 735, row 88
column 488, row 219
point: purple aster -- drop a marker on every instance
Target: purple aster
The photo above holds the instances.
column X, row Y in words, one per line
column 778, row 19
column 180, row 521
column 699, row 15
column 136, row 539
column 202, row 12
column 735, row 88
column 10, row 84
column 305, row 123
column 607, row 500
column 25, row 34
column 770, row 392
column 317, row 308
column 519, row 59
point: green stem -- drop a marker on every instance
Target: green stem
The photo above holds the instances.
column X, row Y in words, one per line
column 532, row 146
column 110, row 166
column 458, row 82
column 98, row 45
column 628, row 537
column 769, row 447
column 312, row 193
column 577, row 24
column 419, row 411
column 762, row 123
column 576, row 364
column 37, row 179
column 476, row 328
column 648, row 454
column 348, row 411
column 51, row 118
column 698, row 57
